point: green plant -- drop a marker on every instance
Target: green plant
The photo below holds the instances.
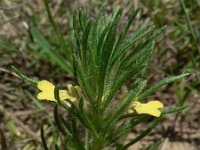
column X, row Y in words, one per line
column 104, row 60
column 54, row 47
column 184, row 89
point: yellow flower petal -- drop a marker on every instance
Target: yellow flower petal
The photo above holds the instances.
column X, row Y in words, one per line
column 46, row 96
column 45, row 85
column 74, row 91
column 70, row 88
column 151, row 108
column 63, row 94
column 47, row 92
column 156, row 104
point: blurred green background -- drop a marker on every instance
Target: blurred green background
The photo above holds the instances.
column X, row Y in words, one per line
column 36, row 38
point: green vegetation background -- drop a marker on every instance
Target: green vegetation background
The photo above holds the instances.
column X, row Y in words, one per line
column 40, row 48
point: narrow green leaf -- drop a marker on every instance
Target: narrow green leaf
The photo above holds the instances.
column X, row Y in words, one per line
column 146, row 42
column 24, row 77
column 134, row 14
column 50, row 120
column 155, row 145
column 106, row 52
column 176, row 109
column 97, row 28
column 126, row 128
column 75, row 112
column 102, row 39
column 110, row 39
column 125, row 31
column 90, row 93
column 122, row 107
column 55, row 56
column 76, row 141
column 139, row 58
column 118, row 82
column 65, row 123
column 56, row 95
column 85, row 38
column 86, row 119
column 160, row 84
column 83, row 18
column 58, row 122
column 76, row 38
column 142, row 134
column 43, row 138
column 57, row 30
column 139, row 34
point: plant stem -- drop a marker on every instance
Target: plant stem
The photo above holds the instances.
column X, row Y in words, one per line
column 190, row 25
column 97, row 144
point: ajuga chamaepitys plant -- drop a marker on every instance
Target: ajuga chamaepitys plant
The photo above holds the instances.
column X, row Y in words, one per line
column 104, row 60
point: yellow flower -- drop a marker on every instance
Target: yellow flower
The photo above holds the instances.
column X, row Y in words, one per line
column 47, row 92
column 150, row 108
